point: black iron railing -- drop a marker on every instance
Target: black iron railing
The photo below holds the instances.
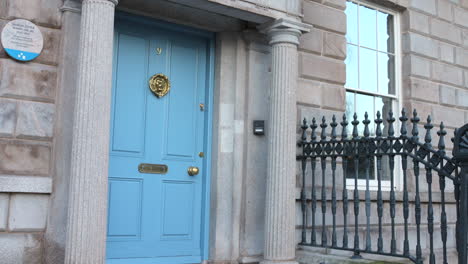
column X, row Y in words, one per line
column 369, row 157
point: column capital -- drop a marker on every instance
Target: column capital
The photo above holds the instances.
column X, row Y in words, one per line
column 115, row 2
column 284, row 30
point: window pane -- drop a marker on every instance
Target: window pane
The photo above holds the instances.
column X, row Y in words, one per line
column 352, row 67
column 350, row 172
column 384, row 105
column 386, row 73
column 352, row 22
column 364, row 103
column 385, row 32
column 350, row 110
column 367, row 27
column 367, row 70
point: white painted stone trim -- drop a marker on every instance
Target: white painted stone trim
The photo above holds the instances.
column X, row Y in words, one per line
column 25, row 184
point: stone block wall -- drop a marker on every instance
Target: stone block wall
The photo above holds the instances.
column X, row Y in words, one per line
column 434, row 44
column 27, row 115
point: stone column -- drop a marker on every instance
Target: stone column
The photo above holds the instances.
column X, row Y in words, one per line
column 280, row 212
column 87, row 215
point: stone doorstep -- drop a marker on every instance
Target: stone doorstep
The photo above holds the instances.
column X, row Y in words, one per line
column 316, row 255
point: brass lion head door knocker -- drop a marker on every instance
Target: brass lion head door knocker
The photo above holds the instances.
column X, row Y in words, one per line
column 159, row 84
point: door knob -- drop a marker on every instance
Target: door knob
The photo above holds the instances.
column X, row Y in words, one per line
column 192, row 171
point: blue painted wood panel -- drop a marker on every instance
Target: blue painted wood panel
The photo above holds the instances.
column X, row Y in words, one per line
column 130, row 81
column 158, row 218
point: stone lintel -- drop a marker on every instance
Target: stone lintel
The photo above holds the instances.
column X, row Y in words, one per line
column 25, row 184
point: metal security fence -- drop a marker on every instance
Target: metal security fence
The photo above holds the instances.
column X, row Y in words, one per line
column 370, row 158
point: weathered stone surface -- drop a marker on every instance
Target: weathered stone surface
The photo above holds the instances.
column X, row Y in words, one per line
column 444, row 10
column 462, row 98
column 447, row 95
column 319, row 16
column 423, row 90
column 466, row 78
column 7, row 117
column 25, row 159
column 464, row 3
column 415, row 65
column 312, row 41
column 421, row 45
column 41, row 12
column 321, row 68
column 445, row 31
column 447, row 52
column 424, row 109
column 4, row 205
column 35, row 120
column 309, row 92
column 428, row 6
column 311, row 112
column 333, row 97
column 340, row 4
column 2, row 24
column 450, row 116
column 20, row 248
column 28, row 212
column 461, row 17
column 461, row 57
column 465, row 38
column 334, row 45
column 447, row 73
column 25, row 184
column 27, row 81
column 416, row 21
column 49, row 54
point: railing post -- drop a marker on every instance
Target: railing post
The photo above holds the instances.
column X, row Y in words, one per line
column 460, row 152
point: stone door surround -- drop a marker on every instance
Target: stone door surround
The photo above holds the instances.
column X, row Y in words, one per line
column 87, row 215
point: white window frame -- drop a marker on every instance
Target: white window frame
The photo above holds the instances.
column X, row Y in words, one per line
column 398, row 181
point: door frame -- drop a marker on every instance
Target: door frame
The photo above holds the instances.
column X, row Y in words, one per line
column 209, row 106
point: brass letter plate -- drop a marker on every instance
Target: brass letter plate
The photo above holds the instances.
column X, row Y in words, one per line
column 152, row 168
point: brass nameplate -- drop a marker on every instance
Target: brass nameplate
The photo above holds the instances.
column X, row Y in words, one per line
column 152, row 168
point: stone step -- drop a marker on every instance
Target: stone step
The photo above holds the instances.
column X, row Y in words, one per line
column 318, row 255
column 313, row 255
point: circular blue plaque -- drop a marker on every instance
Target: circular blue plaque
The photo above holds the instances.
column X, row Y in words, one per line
column 22, row 40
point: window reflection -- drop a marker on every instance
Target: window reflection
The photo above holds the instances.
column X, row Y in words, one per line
column 352, row 72
column 367, row 70
column 352, row 22
column 386, row 73
column 385, row 32
column 350, row 108
column 367, row 27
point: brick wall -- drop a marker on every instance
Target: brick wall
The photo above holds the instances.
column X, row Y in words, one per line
column 434, row 41
column 27, row 113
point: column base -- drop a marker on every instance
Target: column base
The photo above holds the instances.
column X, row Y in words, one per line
column 279, row 262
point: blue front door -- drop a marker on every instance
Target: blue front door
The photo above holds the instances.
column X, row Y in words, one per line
column 158, row 217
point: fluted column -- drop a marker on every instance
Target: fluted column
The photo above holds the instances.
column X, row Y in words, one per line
column 87, row 215
column 280, row 239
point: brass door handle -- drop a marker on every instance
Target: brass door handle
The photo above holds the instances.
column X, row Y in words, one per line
column 192, row 171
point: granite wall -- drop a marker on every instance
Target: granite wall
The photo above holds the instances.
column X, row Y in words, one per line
column 28, row 93
column 434, row 42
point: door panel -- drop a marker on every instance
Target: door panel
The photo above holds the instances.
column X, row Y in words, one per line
column 157, row 218
column 130, row 95
column 126, row 217
column 178, row 199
